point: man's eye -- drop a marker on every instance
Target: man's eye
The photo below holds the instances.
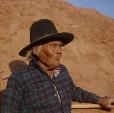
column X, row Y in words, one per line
column 61, row 45
column 53, row 45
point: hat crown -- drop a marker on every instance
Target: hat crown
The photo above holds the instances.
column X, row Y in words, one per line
column 41, row 28
column 44, row 31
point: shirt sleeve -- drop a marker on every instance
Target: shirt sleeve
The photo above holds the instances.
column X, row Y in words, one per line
column 12, row 96
column 81, row 95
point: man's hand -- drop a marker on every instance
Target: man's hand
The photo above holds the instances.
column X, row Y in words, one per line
column 106, row 102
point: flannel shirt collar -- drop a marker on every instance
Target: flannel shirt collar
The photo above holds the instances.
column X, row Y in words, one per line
column 34, row 63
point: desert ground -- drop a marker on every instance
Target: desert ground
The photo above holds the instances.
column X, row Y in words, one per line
column 89, row 58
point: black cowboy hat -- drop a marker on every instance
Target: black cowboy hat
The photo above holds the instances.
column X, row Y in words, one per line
column 44, row 31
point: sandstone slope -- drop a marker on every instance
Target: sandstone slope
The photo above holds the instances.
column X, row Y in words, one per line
column 89, row 58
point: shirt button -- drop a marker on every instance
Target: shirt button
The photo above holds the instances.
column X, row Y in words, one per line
column 55, row 95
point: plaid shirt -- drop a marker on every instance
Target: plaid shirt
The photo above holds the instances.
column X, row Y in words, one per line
column 31, row 90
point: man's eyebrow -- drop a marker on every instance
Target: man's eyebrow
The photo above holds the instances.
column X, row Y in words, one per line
column 54, row 44
column 60, row 44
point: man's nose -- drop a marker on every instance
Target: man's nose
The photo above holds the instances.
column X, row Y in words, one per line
column 59, row 50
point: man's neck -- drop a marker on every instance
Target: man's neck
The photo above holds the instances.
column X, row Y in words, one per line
column 45, row 68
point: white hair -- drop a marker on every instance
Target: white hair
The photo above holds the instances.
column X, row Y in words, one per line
column 33, row 51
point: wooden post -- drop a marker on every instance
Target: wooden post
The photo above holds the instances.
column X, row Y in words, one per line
column 85, row 106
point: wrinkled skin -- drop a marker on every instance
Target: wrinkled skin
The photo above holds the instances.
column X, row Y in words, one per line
column 49, row 55
column 106, row 102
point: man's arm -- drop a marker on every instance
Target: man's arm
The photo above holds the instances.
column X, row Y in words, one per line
column 12, row 96
column 81, row 95
column 107, row 102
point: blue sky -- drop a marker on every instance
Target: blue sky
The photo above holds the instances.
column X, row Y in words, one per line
column 106, row 7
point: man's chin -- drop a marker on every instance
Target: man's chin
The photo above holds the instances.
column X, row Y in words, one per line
column 53, row 66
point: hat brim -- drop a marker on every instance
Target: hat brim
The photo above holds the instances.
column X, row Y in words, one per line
column 64, row 37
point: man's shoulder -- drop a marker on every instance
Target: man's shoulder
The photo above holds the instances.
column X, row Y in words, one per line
column 23, row 72
column 63, row 67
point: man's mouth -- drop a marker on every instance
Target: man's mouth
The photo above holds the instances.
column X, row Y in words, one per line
column 57, row 58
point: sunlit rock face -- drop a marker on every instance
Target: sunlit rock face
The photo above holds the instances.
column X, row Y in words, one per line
column 89, row 58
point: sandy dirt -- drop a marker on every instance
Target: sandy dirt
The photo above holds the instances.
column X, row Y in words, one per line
column 89, row 58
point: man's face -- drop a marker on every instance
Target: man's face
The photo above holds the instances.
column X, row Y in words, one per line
column 50, row 54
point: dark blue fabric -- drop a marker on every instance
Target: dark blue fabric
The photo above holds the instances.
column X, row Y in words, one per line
column 31, row 90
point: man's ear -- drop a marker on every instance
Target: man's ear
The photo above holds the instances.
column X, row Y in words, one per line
column 36, row 50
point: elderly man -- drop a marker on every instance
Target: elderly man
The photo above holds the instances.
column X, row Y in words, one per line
column 45, row 86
